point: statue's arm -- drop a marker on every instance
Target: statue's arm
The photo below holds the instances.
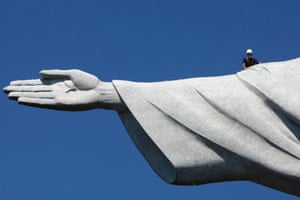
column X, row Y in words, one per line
column 71, row 90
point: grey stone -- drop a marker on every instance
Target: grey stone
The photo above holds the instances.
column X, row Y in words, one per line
column 244, row 126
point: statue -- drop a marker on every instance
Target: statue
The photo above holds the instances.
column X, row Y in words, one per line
column 244, row 126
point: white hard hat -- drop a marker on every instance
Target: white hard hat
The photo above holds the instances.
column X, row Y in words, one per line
column 249, row 51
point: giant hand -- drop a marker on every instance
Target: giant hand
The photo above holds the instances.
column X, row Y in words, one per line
column 72, row 90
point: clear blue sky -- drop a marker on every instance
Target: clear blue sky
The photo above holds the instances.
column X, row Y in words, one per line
column 88, row 155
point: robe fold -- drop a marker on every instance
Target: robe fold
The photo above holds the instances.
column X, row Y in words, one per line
column 235, row 127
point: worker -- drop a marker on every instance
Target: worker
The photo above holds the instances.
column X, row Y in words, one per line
column 249, row 60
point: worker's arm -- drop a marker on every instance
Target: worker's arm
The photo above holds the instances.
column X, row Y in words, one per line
column 244, row 66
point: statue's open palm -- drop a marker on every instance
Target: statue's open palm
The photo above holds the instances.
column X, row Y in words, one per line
column 58, row 89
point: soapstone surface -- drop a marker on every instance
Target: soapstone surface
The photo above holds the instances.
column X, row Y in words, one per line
column 244, row 126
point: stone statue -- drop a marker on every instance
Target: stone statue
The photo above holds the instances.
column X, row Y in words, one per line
column 244, row 126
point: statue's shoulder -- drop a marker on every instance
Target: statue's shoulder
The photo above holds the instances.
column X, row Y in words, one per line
column 278, row 82
column 271, row 70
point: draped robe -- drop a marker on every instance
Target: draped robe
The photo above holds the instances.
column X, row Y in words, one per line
column 244, row 126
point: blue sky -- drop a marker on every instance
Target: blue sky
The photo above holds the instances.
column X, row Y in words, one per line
column 48, row 154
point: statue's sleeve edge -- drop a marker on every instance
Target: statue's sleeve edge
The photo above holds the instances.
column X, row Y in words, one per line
column 151, row 152
column 157, row 160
